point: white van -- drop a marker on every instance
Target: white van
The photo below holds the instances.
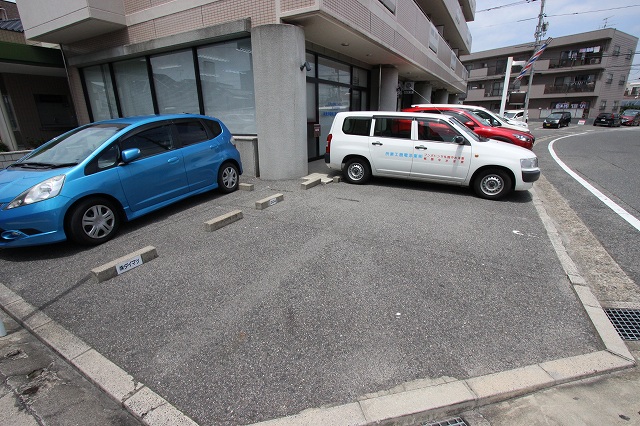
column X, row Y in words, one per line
column 428, row 147
column 491, row 117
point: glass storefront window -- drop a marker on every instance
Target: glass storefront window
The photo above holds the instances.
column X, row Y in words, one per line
column 226, row 75
column 175, row 83
column 134, row 90
column 360, row 77
column 331, row 100
column 100, row 92
column 333, row 71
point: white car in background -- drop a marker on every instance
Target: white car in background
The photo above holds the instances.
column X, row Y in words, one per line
column 491, row 117
column 514, row 114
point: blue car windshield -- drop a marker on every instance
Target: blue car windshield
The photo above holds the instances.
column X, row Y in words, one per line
column 71, row 148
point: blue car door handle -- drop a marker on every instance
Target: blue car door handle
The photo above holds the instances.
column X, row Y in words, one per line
column 173, row 160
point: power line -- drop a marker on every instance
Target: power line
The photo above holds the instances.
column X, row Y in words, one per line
column 505, row 5
column 582, row 13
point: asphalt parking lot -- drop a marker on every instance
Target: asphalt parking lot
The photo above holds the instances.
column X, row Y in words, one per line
column 336, row 292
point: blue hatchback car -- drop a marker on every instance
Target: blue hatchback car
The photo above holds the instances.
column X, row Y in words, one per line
column 84, row 183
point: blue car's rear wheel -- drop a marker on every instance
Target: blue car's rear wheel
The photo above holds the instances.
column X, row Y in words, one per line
column 228, row 178
column 93, row 221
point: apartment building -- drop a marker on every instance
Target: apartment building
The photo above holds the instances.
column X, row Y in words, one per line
column 275, row 71
column 585, row 74
column 35, row 103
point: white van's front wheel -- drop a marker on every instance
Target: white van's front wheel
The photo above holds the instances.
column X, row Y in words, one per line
column 492, row 184
column 357, row 170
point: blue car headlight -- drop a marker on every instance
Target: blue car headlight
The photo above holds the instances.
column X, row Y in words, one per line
column 43, row 191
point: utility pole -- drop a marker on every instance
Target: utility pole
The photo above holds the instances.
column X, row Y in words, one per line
column 540, row 31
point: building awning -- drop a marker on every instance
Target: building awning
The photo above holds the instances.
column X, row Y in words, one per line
column 25, row 54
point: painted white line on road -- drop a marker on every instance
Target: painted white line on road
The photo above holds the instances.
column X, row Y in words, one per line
column 632, row 220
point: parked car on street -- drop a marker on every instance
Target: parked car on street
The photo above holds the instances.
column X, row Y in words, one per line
column 557, row 119
column 607, row 119
column 427, row 147
column 481, row 126
column 83, row 184
column 514, row 114
column 494, row 119
column 630, row 117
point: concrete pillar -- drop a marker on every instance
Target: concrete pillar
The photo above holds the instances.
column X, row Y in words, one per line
column 441, row 96
column 388, row 88
column 6, row 133
column 453, row 98
column 280, row 94
column 422, row 93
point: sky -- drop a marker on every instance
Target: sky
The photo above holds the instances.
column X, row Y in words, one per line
column 513, row 22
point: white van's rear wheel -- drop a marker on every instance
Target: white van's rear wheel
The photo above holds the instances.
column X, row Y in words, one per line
column 357, row 170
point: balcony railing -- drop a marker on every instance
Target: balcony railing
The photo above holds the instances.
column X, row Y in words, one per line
column 567, row 63
column 570, row 88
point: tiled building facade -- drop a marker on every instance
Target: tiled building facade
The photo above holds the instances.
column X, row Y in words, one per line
column 585, row 74
column 275, row 71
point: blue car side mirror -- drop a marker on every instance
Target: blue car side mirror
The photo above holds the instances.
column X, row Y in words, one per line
column 128, row 155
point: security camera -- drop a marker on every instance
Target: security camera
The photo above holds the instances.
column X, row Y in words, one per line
column 306, row 65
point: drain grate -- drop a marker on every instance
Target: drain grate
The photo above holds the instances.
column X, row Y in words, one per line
column 626, row 322
column 451, row 422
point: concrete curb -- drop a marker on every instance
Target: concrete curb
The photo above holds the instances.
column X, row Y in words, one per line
column 448, row 398
column 135, row 397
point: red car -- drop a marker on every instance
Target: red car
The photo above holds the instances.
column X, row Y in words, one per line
column 630, row 117
column 481, row 126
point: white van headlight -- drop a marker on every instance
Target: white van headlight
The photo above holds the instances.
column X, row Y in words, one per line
column 42, row 191
column 529, row 163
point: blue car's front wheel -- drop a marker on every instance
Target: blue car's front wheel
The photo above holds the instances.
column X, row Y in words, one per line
column 93, row 221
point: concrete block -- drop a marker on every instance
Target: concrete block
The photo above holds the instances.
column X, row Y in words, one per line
column 586, row 296
column 337, row 179
column 508, row 384
column 269, row 201
column 582, row 366
column 106, row 375
column 245, row 187
column 341, row 415
column 221, row 221
column 155, row 410
column 610, row 337
column 310, row 183
column 7, row 296
column 409, row 405
column 108, row 271
column 61, row 340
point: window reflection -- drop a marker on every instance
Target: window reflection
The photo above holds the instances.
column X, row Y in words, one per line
column 175, row 83
column 226, row 75
column 134, row 90
column 100, row 92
